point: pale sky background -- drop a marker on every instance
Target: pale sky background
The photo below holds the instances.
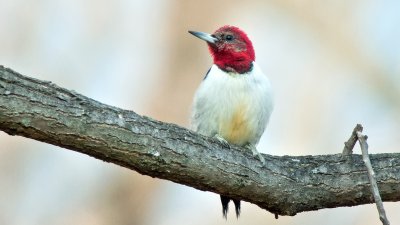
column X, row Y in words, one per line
column 332, row 64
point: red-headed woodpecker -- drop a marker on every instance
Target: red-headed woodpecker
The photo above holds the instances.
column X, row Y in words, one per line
column 234, row 101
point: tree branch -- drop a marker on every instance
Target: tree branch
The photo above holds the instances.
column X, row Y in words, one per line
column 286, row 185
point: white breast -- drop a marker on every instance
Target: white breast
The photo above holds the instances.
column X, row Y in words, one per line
column 235, row 106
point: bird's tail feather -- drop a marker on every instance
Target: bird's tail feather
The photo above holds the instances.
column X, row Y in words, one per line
column 225, row 204
column 237, row 207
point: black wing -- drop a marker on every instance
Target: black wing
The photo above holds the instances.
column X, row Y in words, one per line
column 207, row 74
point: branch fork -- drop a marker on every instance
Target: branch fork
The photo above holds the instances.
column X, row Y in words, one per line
column 357, row 135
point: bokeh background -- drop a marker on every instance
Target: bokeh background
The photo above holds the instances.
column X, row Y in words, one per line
column 332, row 64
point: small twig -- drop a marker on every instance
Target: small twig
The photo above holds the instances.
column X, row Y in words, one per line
column 371, row 175
column 349, row 145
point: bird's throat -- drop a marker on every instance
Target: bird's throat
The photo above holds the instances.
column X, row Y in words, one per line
column 233, row 61
column 234, row 66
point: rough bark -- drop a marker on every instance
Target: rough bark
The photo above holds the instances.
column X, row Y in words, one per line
column 286, row 185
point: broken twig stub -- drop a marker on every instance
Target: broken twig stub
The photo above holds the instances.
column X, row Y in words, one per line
column 349, row 144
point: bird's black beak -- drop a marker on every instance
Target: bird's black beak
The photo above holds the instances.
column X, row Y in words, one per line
column 204, row 36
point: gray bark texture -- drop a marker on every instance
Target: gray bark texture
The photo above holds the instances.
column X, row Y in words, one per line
column 285, row 185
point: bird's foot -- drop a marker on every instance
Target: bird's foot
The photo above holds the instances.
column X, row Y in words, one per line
column 222, row 140
column 255, row 152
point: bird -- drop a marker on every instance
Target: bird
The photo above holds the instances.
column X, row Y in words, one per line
column 234, row 101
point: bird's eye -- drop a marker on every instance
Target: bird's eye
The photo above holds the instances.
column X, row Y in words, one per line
column 229, row 37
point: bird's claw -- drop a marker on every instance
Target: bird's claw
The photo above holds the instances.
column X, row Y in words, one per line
column 255, row 152
column 222, row 140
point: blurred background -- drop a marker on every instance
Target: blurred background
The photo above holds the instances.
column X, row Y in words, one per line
column 332, row 64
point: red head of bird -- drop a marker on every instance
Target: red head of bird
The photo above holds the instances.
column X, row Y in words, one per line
column 230, row 47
